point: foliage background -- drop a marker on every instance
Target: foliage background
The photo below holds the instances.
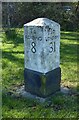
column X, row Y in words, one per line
column 17, row 14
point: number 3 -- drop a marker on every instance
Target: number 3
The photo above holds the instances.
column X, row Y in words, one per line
column 51, row 48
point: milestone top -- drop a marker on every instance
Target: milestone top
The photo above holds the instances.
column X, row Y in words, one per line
column 41, row 22
column 42, row 45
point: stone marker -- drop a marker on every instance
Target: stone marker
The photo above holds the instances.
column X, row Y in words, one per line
column 42, row 73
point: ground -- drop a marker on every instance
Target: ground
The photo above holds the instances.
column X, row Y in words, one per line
column 60, row 105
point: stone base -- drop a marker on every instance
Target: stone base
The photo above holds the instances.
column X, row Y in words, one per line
column 40, row 84
column 20, row 92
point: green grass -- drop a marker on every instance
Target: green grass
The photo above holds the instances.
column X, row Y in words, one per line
column 62, row 106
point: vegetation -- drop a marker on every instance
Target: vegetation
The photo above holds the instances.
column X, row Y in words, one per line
column 65, row 13
column 60, row 105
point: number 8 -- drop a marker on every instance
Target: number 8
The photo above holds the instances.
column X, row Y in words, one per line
column 33, row 47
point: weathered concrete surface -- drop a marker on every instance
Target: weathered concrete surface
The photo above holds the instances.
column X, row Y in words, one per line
column 42, row 45
column 42, row 73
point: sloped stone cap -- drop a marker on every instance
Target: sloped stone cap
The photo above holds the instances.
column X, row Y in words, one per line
column 41, row 22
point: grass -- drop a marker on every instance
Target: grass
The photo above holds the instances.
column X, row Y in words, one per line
column 62, row 106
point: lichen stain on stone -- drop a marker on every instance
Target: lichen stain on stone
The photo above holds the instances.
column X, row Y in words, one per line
column 43, row 84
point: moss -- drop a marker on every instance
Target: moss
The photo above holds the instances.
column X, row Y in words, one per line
column 43, row 84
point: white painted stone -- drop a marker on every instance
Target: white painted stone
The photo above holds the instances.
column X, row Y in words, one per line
column 42, row 44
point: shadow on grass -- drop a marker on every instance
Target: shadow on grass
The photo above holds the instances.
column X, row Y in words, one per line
column 67, row 38
column 11, row 57
column 16, row 102
column 68, row 53
column 14, row 36
column 69, row 35
column 58, row 103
